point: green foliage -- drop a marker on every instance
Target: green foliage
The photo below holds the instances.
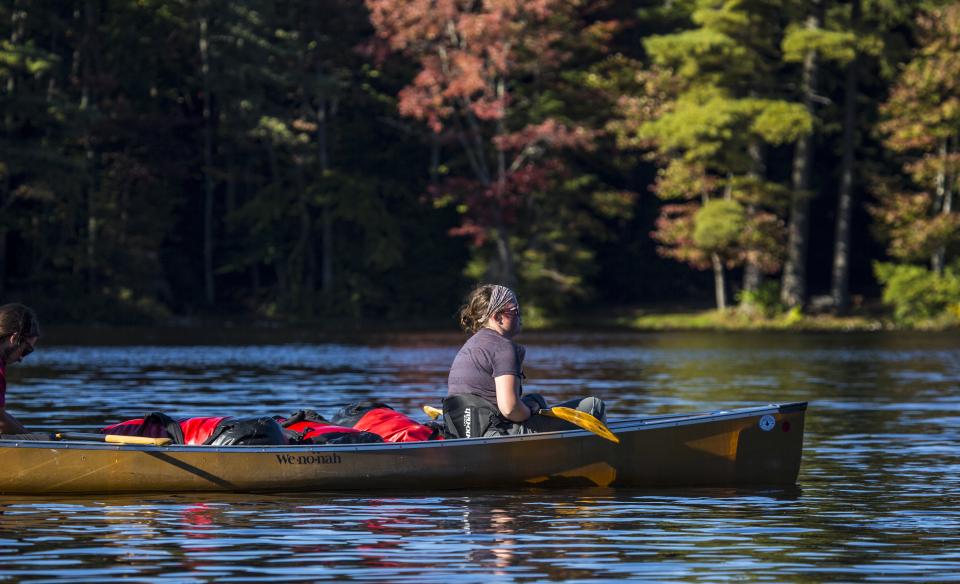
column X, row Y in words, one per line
column 914, row 215
column 765, row 299
column 838, row 46
column 778, row 122
column 917, row 293
column 318, row 180
column 696, row 52
column 710, row 129
column 719, row 225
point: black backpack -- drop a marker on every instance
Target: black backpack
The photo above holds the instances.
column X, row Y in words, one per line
column 471, row 416
column 261, row 430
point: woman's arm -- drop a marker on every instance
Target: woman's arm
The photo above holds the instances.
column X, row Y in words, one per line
column 9, row 424
column 509, row 403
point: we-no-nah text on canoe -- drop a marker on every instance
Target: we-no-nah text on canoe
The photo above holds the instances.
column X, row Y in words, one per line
column 309, row 459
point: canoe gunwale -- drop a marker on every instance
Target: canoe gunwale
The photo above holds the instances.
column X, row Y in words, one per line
column 617, row 426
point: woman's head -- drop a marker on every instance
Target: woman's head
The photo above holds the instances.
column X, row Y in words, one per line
column 19, row 332
column 493, row 306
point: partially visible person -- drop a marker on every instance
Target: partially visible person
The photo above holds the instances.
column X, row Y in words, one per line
column 19, row 334
column 485, row 385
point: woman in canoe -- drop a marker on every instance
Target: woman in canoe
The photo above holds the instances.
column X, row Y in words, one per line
column 484, row 388
column 19, row 333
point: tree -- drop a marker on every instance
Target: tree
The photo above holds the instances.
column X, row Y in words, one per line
column 922, row 125
column 716, row 114
column 840, row 276
column 23, row 66
column 472, row 58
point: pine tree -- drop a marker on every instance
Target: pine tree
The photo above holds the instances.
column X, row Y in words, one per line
column 719, row 114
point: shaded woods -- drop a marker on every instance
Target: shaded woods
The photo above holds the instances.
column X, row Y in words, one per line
column 368, row 161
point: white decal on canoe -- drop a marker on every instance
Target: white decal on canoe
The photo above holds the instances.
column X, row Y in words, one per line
column 767, row 423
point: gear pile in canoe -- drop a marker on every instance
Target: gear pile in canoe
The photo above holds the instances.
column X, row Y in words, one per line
column 364, row 422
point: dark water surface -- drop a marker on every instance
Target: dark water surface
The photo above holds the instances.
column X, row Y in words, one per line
column 878, row 497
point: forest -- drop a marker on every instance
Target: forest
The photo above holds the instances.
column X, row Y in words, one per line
column 370, row 161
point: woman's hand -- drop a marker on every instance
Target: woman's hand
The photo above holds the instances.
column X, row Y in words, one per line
column 508, row 401
column 534, row 402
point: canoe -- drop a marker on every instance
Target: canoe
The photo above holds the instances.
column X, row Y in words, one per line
column 755, row 446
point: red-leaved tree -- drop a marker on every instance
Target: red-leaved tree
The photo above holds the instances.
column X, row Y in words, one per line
column 478, row 60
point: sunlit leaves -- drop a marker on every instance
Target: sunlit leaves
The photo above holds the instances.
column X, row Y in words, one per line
column 917, row 293
column 683, row 180
column 718, row 225
column 779, row 122
column 922, row 124
column 710, row 112
column 838, row 46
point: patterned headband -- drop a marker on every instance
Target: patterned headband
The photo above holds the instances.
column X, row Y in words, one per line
column 500, row 296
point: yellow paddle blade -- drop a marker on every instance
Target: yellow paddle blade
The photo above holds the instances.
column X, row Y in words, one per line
column 583, row 420
column 433, row 412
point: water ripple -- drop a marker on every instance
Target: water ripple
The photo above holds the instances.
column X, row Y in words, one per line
column 878, row 496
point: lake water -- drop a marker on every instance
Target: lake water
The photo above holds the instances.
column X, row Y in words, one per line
column 878, row 497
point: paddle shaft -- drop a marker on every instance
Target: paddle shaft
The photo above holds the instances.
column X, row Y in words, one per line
column 112, row 438
column 575, row 417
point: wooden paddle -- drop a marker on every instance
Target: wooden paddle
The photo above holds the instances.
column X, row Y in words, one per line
column 112, row 438
column 575, row 417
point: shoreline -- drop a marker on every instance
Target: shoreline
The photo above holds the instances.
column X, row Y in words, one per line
column 635, row 320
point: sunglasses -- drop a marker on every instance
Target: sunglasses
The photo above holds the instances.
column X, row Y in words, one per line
column 25, row 349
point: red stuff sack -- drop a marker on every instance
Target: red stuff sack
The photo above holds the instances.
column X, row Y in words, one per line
column 393, row 426
column 153, row 425
column 128, row 428
column 196, row 431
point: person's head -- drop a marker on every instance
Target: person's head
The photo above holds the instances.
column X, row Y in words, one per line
column 491, row 306
column 19, row 332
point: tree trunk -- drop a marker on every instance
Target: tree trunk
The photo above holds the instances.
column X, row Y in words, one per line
column 87, row 104
column 793, row 291
column 434, row 159
column 208, row 181
column 324, row 111
column 719, row 282
column 751, row 282
column 273, row 164
column 506, row 270
column 943, row 205
column 840, row 286
column 503, row 271
column 17, row 17
column 301, row 259
column 751, row 270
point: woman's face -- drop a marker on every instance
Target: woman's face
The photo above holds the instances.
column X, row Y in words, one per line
column 15, row 349
column 509, row 320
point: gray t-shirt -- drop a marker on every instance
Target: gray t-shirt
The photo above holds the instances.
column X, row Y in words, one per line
column 485, row 355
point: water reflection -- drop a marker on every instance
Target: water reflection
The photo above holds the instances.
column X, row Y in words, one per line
column 879, row 492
